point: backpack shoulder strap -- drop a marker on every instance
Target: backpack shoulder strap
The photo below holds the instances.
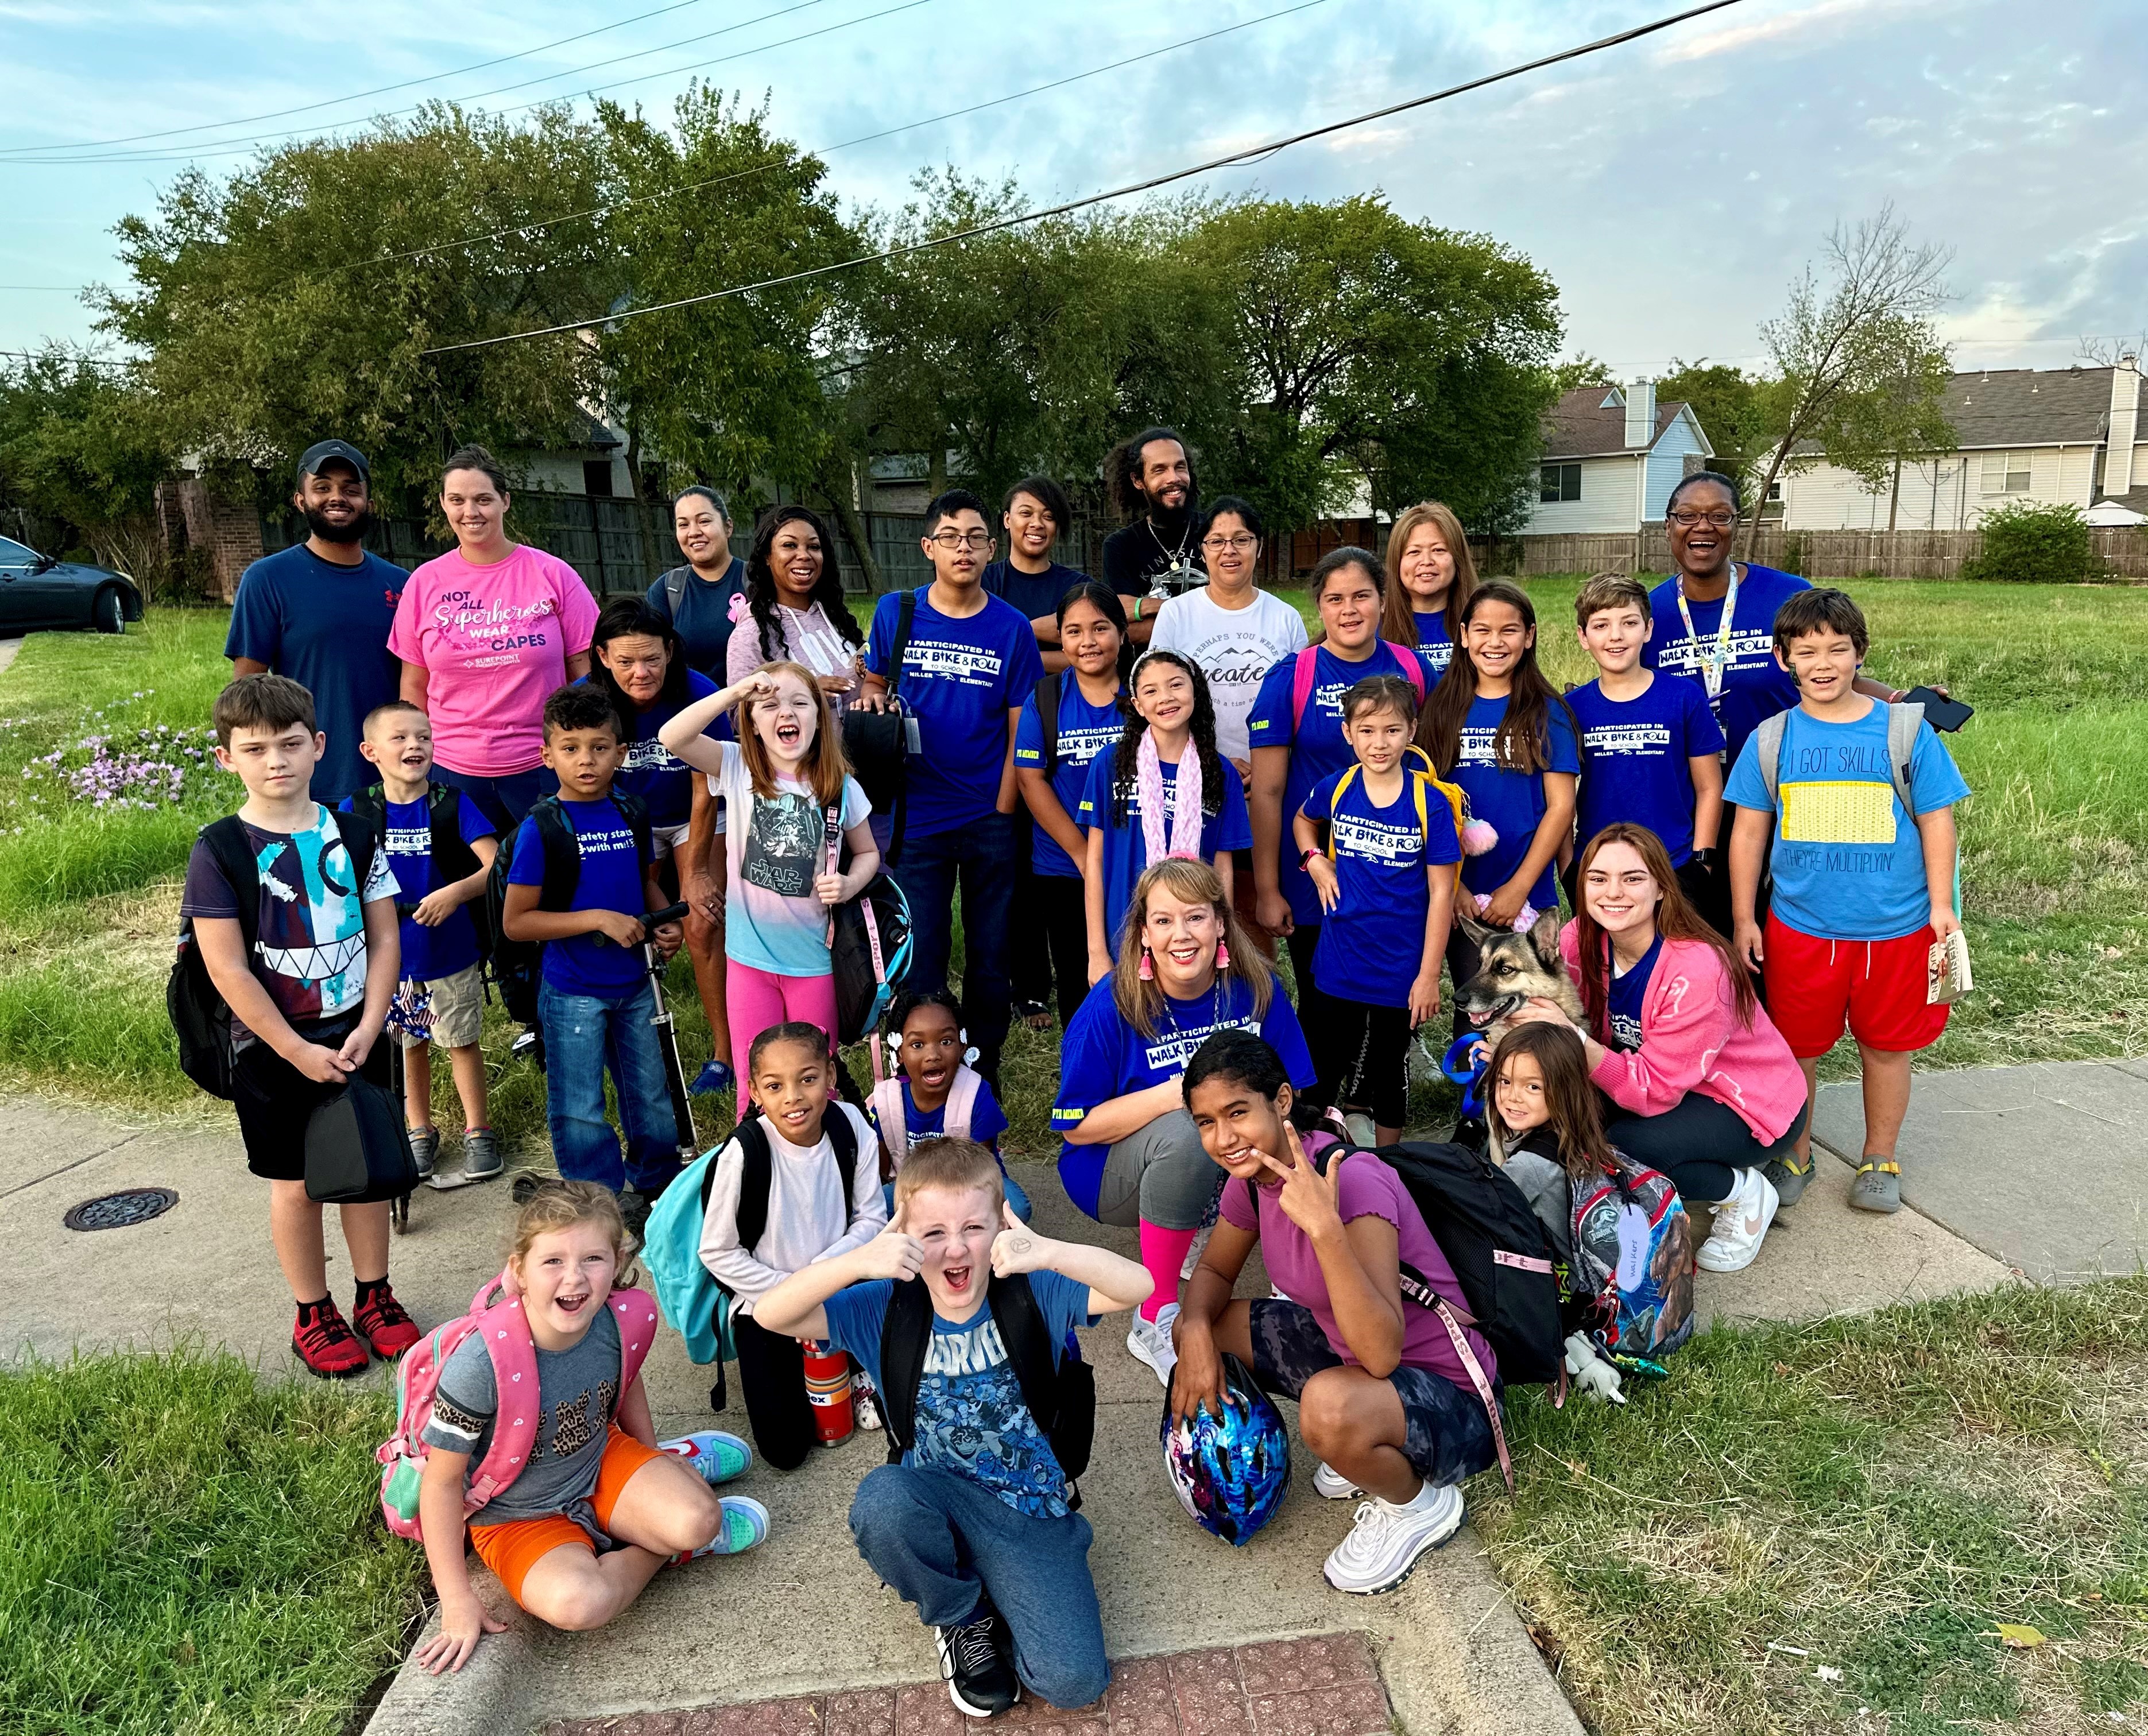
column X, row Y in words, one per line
column 1047, row 715
column 359, row 842
column 1342, row 783
column 903, row 1334
column 636, row 1314
column 1412, row 667
column 675, row 591
column 371, row 806
column 894, row 1123
column 1302, row 672
column 1903, row 723
column 962, row 1101
column 453, row 858
column 563, row 854
column 755, row 1172
column 905, row 617
column 504, row 1330
column 226, row 838
column 1769, row 753
column 843, row 1141
column 1029, row 1346
column 1417, row 781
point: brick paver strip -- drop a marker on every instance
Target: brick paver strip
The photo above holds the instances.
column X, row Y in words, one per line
column 1324, row 1687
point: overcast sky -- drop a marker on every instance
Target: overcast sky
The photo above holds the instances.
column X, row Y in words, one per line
column 1671, row 188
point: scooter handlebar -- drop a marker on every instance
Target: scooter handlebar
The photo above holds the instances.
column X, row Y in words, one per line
column 670, row 913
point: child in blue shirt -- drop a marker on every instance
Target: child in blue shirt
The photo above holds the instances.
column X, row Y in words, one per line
column 595, row 1005
column 439, row 941
column 1130, row 805
column 935, row 1093
column 1386, row 882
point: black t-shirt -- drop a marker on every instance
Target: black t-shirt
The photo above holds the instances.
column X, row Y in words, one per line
column 1134, row 556
column 1034, row 593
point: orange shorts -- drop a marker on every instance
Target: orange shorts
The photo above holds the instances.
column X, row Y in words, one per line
column 510, row 1549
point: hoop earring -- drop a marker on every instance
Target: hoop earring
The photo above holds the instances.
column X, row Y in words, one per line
column 1223, row 955
column 1147, row 966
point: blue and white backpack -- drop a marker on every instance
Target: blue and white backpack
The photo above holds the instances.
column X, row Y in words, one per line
column 1633, row 1260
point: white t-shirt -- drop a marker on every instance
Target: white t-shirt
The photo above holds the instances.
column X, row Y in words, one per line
column 808, row 1218
column 1235, row 648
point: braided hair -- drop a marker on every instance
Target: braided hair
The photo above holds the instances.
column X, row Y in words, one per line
column 760, row 596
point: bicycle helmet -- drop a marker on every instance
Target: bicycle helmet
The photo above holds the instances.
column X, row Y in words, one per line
column 1231, row 1473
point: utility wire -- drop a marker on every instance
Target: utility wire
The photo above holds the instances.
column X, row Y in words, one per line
column 1149, row 185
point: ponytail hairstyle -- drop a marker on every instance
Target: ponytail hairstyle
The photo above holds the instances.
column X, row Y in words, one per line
column 1141, row 1003
column 824, row 767
column 558, row 1205
column 1105, row 602
column 632, row 617
column 1203, row 737
column 1399, row 623
column 1676, row 920
column 1576, row 1122
column 761, row 597
column 1523, row 740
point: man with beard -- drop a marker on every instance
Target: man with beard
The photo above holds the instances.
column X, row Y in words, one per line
column 1151, row 479
column 320, row 612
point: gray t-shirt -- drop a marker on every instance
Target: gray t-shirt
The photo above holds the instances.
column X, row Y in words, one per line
column 577, row 1397
column 1544, row 1183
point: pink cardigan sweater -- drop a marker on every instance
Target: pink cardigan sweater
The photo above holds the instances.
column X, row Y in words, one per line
column 1691, row 1041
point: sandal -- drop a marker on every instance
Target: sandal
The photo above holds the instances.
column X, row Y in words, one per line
column 1878, row 1187
column 1788, row 1179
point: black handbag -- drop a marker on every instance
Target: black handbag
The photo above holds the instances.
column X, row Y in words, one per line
column 877, row 743
column 358, row 1150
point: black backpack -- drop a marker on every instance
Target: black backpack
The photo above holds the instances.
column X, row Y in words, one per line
column 453, row 859
column 517, row 966
column 877, row 743
column 1059, row 1389
column 201, row 1019
column 1046, row 693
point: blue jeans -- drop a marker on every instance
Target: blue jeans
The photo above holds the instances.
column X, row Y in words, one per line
column 941, row 1541
column 584, row 1034
column 982, row 857
column 505, row 802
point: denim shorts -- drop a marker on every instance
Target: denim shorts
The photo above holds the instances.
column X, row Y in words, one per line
column 1447, row 1435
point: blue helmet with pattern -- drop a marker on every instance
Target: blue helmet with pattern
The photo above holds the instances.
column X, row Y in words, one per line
column 1231, row 1472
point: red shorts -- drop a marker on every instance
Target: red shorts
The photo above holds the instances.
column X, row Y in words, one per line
column 1876, row 987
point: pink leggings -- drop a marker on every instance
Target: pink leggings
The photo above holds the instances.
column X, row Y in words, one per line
column 759, row 999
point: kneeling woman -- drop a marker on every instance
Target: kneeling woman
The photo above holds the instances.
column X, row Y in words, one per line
column 1185, row 970
column 1384, row 1396
column 1704, row 1088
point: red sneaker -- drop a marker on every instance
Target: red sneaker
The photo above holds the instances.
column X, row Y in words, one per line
column 383, row 1324
column 325, row 1343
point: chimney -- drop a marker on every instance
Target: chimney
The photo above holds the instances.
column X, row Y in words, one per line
column 1640, row 413
column 2124, row 426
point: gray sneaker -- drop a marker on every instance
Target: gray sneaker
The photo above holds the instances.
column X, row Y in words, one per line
column 1788, row 1182
column 1878, row 1187
column 481, row 1159
column 425, row 1147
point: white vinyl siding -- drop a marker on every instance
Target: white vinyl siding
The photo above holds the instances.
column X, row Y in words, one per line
column 1942, row 493
column 1609, row 502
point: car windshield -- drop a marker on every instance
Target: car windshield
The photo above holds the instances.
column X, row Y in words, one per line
column 15, row 555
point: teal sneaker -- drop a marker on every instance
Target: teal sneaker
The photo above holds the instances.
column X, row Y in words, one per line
column 717, row 1456
column 745, row 1523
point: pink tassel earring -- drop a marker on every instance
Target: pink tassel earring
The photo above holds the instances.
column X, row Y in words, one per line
column 1223, row 955
column 1147, row 967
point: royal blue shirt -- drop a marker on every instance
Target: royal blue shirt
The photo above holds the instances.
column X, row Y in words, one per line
column 325, row 625
column 429, row 954
column 1626, row 995
column 1372, row 944
column 1848, row 863
column 1755, row 686
column 1432, row 644
column 1512, row 802
column 1033, row 593
column 1315, row 744
column 1103, row 1057
column 1635, row 759
column 589, row 963
column 1126, row 846
column 704, row 617
column 987, row 1120
column 651, row 770
column 960, row 679
column 1085, row 731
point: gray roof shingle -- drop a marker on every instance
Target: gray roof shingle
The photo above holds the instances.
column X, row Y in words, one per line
column 1579, row 426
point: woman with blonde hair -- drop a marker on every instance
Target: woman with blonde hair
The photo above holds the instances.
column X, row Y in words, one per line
column 1428, row 558
column 1131, row 1156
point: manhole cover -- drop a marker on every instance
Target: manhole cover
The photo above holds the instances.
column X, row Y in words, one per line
column 115, row 1210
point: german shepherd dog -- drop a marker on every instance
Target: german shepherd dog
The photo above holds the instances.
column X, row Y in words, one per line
column 1515, row 968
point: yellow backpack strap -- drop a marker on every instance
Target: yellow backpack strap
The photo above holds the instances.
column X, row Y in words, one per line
column 1341, row 784
column 1417, row 781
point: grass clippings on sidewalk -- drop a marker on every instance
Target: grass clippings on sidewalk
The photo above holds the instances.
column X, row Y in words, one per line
column 1879, row 1492
column 190, row 1550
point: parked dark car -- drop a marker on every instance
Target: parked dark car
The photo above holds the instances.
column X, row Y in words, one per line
column 36, row 590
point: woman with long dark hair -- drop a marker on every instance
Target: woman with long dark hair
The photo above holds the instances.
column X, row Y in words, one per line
column 795, row 612
column 1430, row 579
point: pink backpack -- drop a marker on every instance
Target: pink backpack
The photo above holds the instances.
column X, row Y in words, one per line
column 888, row 1111
column 1308, row 666
column 498, row 1316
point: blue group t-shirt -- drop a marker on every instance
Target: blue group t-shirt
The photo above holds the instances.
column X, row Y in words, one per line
column 1126, row 846
column 1626, row 996
column 704, row 616
column 1033, row 593
column 971, row 1418
column 1636, row 755
column 1755, row 686
column 1433, row 643
column 651, row 770
column 429, row 954
column 1848, row 861
column 960, row 679
column 1085, row 731
column 589, row 963
column 325, row 625
column 987, row 1120
column 1317, row 746
column 1512, row 802
column 1103, row 1057
column 1372, row 944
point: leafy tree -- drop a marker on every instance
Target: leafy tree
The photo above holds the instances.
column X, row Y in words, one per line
column 1900, row 418
column 1582, row 370
column 1726, row 402
column 80, row 455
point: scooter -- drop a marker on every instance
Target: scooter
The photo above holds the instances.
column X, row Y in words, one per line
column 667, row 1033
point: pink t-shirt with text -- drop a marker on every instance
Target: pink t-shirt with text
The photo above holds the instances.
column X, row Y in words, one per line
column 493, row 641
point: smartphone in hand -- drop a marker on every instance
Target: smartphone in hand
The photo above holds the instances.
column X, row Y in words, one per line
column 1940, row 712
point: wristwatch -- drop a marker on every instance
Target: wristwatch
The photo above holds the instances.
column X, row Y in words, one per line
column 1704, row 859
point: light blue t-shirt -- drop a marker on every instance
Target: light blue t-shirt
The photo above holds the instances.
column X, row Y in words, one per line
column 1126, row 846
column 1372, row 944
column 1848, row 861
column 970, row 1416
column 1085, row 731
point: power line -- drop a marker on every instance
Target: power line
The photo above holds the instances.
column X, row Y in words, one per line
column 1149, row 185
column 358, row 95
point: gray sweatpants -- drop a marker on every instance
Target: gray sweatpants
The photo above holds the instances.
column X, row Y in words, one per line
column 1161, row 1176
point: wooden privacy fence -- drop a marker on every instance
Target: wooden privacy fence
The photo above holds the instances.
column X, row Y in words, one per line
column 1815, row 554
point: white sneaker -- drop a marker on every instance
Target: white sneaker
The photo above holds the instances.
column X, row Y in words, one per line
column 1193, row 1253
column 1330, row 1482
column 1150, row 1340
column 1385, row 1542
column 1741, row 1224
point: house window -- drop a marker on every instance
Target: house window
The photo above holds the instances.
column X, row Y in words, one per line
column 1560, row 482
column 596, row 477
column 1775, row 492
column 2005, row 473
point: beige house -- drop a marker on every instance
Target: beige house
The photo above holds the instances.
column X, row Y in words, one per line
column 2072, row 436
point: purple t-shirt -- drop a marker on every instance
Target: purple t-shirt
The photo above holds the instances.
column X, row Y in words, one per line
column 1369, row 1189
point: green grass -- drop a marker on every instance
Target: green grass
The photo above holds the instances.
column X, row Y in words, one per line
column 190, row 1550
column 1878, row 1492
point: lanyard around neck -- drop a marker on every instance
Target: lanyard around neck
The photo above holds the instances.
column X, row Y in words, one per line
column 1712, row 663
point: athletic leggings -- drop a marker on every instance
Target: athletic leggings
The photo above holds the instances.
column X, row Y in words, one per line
column 761, row 999
column 1697, row 1142
column 772, row 1377
column 1363, row 1055
column 1062, row 903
